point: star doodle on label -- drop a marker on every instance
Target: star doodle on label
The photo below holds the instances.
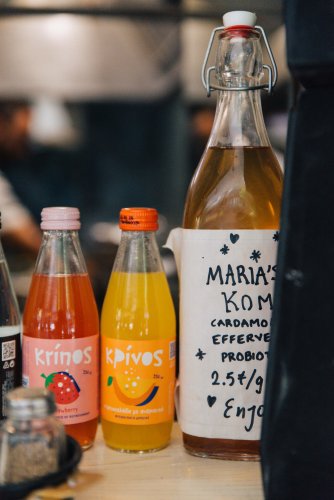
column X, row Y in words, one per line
column 276, row 236
column 255, row 255
column 200, row 354
column 224, row 250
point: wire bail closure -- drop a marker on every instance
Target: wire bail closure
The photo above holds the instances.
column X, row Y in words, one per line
column 272, row 70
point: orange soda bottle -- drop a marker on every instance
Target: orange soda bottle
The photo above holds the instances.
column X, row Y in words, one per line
column 138, row 341
column 61, row 326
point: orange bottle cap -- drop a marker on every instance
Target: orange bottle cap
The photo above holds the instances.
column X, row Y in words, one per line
column 138, row 219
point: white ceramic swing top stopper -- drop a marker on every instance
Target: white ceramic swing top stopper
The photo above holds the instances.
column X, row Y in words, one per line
column 239, row 18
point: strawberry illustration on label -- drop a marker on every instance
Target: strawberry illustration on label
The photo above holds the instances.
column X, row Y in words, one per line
column 64, row 387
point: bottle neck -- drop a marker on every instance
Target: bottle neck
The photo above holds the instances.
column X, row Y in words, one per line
column 239, row 119
column 138, row 253
column 60, row 253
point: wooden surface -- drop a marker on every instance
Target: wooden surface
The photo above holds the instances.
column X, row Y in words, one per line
column 168, row 474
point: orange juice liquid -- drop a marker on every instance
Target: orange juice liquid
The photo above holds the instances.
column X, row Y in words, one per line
column 63, row 307
column 137, row 306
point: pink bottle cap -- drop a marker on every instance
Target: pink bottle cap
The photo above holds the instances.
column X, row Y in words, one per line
column 60, row 218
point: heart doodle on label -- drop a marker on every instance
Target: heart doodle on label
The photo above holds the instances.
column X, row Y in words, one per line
column 211, row 400
column 234, row 238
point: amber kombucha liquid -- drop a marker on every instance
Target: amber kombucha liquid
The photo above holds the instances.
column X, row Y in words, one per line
column 63, row 307
column 233, row 188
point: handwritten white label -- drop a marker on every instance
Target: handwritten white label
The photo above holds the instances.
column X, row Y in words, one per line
column 226, row 297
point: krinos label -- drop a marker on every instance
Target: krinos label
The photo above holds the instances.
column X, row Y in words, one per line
column 69, row 368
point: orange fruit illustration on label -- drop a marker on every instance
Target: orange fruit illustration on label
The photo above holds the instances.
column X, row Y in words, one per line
column 133, row 390
column 64, row 387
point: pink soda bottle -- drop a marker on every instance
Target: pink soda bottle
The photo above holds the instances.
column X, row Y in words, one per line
column 61, row 326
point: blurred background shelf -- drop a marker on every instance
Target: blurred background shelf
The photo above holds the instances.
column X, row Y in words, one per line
column 102, row 106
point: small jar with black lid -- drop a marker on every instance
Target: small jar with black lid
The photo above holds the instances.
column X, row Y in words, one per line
column 32, row 440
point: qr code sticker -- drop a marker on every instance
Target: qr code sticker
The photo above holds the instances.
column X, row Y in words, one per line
column 8, row 350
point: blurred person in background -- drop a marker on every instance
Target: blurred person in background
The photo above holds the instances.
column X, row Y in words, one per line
column 18, row 226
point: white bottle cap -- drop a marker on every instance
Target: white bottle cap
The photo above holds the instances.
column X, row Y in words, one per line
column 239, row 18
column 66, row 218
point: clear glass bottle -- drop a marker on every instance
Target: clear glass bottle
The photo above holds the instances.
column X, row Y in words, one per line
column 232, row 213
column 10, row 335
column 61, row 326
column 138, row 341
column 32, row 441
